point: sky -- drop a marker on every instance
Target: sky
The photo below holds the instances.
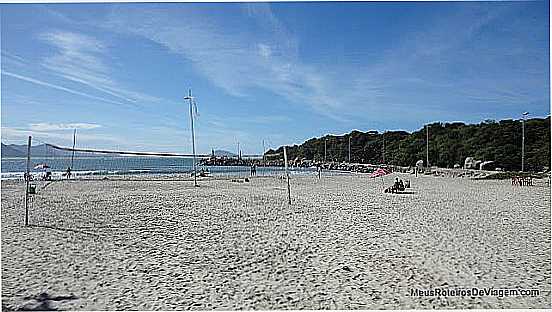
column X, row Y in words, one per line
column 281, row 73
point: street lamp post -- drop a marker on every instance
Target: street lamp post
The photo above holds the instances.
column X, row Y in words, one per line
column 427, row 145
column 383, row 151
column 325, row 148
column 349, row 149
column 523, row 140
column 191, row 100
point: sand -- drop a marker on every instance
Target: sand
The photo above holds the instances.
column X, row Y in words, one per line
column 342, row 244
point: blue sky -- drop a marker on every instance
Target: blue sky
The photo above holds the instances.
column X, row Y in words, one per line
column 279, row 72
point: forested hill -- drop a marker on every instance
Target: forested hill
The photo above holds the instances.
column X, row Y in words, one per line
column 449, row 144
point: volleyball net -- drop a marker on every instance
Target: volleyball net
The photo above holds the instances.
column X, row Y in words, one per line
column 51, row 162
column 56, row 195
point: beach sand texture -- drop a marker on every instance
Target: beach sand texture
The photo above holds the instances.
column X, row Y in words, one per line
column 342, row 244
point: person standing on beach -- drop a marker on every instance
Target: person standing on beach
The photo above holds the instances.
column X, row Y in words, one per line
column 48, row 175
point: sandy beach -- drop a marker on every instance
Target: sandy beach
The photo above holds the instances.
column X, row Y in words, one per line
column 342, row 244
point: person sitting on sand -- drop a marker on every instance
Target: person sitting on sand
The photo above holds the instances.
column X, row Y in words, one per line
column 396, row 186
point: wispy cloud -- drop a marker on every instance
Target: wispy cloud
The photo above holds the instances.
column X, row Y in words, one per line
column 57, row 87
column 263, row 58
column 62, row 126
column 80, row 58
column 13, row 58
column 417, row 66
column 425, row 67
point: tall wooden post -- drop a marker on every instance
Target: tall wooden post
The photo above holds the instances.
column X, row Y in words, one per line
column 349, row 149
column 523, row 141
column 287, row 175
column 325, row 148
column 264, row 152
column 427, row 146
column 74, row 142
column 27, row 181
column 383, row 153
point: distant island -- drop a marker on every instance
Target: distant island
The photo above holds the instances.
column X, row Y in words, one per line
column 41, row 150
column 449, row 145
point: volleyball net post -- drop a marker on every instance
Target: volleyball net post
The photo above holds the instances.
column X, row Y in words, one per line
column 27, row 181
column 287, row 175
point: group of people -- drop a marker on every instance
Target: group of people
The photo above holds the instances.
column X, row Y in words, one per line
column 398, row 186
column 253, row 170
column 521, row 181
column 48, row 175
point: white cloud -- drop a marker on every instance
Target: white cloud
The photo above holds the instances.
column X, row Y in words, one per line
column 12, row 135
column 62, row 126
column 72, row 43
column 264, row 50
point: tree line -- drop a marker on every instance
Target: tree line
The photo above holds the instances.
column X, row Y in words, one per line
column 449, row 144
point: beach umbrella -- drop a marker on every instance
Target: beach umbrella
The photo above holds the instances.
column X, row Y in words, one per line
column 41, row 166
column 380, row 172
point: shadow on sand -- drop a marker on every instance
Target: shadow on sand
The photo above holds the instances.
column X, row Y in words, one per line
column 63, row 229
column 41, row 302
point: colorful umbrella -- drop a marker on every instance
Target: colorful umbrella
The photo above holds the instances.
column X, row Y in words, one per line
column 380, row 172
column 41, row 166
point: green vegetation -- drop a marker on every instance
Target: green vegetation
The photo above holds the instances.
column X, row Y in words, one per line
column 449, row 144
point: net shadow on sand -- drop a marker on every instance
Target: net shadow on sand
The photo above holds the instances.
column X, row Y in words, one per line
column 63, row 229
column 43, row 302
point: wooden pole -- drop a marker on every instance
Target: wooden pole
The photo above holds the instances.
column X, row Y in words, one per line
column 427, row 146
column 349, row 149
column 74, row 142
column 287, row 175
column 523, row 141
column 27, row 181
column 263, row 152
column 325, row 148
column 383, row 154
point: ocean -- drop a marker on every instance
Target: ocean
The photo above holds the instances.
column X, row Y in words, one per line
column 13, row 168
